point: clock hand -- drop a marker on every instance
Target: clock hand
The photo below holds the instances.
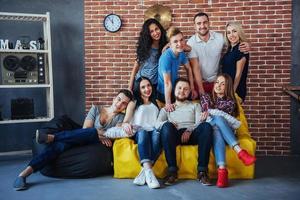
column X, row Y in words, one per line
column 112, row 20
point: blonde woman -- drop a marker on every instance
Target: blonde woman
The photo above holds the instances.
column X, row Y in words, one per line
column 235, row 63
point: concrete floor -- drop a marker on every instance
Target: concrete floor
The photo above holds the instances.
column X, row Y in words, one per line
column 276, row 178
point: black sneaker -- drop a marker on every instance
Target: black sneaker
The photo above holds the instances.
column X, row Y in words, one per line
column 20, row 183
column 170, row 179
column 204, row 179
column 41, row 138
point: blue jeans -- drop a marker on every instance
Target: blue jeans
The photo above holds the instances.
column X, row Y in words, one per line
column 149, row 146
column 201, row 136
column 63, row 141
column 222, row 133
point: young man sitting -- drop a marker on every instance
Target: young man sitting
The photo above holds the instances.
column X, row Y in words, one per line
column 183, row 126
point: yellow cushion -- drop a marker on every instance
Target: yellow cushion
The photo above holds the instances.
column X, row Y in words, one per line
column 127, row 165
column 126, row 161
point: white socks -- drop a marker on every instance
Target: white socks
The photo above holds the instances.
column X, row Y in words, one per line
column 237, row 148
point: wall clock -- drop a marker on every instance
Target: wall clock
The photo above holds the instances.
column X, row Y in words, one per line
column 112, row 23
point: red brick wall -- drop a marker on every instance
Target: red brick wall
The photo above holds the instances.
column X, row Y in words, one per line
column 109, row 56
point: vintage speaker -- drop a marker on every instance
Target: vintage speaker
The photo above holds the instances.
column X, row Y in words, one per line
column 23, row 68
column 22, row 108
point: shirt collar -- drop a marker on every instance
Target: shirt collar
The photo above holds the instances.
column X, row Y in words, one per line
column 211, row 37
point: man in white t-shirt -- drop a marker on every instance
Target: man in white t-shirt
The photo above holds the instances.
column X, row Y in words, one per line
column 206, row 53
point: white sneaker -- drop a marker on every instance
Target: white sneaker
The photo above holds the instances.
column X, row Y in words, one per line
column 140, row 179
column 151, row 179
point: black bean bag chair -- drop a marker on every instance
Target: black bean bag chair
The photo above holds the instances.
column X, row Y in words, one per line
column 78, row 162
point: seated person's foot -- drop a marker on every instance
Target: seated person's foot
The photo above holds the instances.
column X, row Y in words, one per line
column 246, row 157
column 170, row 179
column 151, row 179
column 222, row 178
column 204, row 179
column 140, row 179
column 41, row 138
column 20, row 183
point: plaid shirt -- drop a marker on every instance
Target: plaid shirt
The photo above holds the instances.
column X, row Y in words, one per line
column 226, row 105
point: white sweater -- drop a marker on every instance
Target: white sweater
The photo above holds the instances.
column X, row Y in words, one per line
column 145, row 116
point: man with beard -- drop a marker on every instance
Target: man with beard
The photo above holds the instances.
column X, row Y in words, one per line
column 183, row 126
column 206, row 52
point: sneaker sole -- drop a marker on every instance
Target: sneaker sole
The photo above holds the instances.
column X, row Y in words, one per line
column 155, row 187
column 169, row 184
column 206, row 184
column 139, row 184
column 19, row 189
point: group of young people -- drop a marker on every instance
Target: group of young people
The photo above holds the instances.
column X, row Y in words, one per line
column 155, row 77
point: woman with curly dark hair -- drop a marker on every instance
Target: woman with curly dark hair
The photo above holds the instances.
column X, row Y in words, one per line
column 151, row 41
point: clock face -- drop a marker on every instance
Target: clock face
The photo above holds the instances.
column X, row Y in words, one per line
column 112, row 23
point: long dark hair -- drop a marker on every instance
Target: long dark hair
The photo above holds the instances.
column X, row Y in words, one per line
column 145, row 41
column 137, row 92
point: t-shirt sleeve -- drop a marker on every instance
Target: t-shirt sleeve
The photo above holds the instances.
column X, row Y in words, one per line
column 92, row 113
column 120, row 118
column 183, row 58
column 240, row 55
column 165, row 64
column 192, row 53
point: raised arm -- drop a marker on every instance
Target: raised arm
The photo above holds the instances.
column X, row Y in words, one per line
column 129, row 112
column 135, row 69
column 245, row 47
column 127, row 127
column 168, row 91
column 189, row 71
column 196, row 69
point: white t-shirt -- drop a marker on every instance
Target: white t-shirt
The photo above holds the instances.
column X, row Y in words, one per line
column 208, row 54
column 145, row 116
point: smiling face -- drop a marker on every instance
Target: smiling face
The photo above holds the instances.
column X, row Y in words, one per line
column 202, row 25
column 155, row 32
column 120, row 102
column 145, row 89
column 182, row 91
column 177, row 43
column 220, row 86
column 232, row 35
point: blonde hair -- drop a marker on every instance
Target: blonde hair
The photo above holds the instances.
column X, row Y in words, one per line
column 238, row 27
column 172, row 31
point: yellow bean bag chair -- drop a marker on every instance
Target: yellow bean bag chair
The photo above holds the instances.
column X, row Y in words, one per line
column 127, row 164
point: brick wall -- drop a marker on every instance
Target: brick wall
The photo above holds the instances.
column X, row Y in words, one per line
column 109, row 56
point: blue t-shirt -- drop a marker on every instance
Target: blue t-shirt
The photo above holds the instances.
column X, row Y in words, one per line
column 169, row 64
column 228, row 63
column 149, row 67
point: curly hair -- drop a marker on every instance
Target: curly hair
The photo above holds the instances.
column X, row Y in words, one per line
column 137, row 92
column 145, row 41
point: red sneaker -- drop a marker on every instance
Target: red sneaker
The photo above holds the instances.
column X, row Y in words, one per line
column 246, row 157
column 222, row 178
